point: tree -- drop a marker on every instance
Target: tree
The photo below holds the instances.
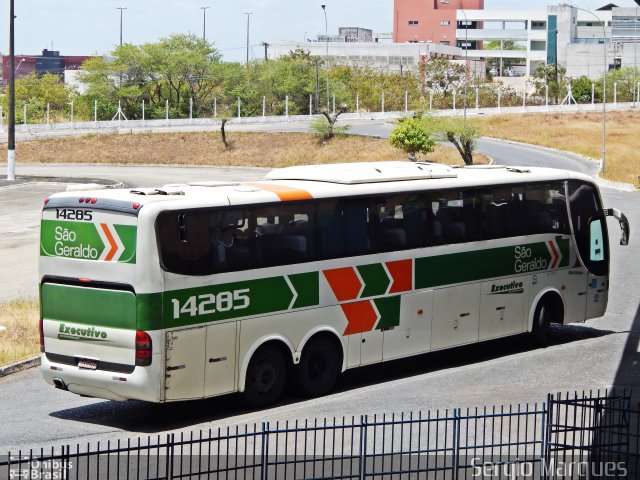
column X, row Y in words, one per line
column 456, row 130
column 411, row 136
column 442, row 75
column 545, row 74
column 177, row 68
column 36, row 92
column 325, row 126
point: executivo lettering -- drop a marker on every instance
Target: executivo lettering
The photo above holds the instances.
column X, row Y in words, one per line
column 89, row 334
column 513, row 287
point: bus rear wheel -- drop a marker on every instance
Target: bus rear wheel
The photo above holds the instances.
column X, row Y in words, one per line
column 319, row 367
column 541, row 324
column 266, row 377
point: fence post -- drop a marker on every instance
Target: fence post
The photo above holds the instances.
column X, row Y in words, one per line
column 546, row 96
column 334, row 103
column 238, row 107
column 357, row 102
column 430, row 99
column 142, row 110
column 546, row 433
column 363, row 447
column 454, row 100
column 47, row 114
column 456, row 442
column 264, row 452
column 406, row 101
column 190, row 109
column 477, row 100
column 215, row 106
column 24, row 115
column 170, row 453
column 95, row 112
column 310, row 104
column 72, row 126
column 286, row 106
column 615, row 93
column 166, row 110
column 499, row 95
column 1, row 118
column 264, row 106
column 593, row 93
column 524, row 97
column 382, row 101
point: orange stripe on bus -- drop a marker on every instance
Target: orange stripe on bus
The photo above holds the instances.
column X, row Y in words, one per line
column 112, row 242
column 285, row 193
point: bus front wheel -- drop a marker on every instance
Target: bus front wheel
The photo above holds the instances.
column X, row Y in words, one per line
column 319, row 367
column 266, row 377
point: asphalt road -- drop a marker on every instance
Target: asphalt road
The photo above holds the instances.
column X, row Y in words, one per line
column 600, row 353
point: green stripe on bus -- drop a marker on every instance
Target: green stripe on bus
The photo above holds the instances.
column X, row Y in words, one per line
column 376, row 280
column 389, row 308
column 88, row 306
column 307, row 286
column 482, row 264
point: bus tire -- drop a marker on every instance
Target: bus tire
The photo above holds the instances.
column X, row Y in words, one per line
column 266, row 377
column 541, row 324
column 319, row 367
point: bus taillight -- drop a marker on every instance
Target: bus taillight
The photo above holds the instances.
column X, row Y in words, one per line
column 41, row 329
column 143, row 349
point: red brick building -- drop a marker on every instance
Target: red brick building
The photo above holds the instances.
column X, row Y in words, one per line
column 430, row 20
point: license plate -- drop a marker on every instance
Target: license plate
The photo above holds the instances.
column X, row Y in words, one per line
column 88, row 364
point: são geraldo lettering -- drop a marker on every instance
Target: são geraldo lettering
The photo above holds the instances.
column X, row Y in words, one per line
column 524, row 262
column 82, row 251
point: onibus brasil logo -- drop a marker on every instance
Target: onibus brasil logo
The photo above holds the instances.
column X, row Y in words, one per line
column 88, row 241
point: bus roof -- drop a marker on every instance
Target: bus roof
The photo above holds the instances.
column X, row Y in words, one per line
column 321, row 181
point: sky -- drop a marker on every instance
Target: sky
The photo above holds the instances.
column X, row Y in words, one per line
column 92, row 27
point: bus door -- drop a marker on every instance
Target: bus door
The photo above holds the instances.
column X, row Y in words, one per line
column 592, row 245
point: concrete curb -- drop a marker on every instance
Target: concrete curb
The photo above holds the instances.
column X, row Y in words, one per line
column 19, row 366
column 625, row 187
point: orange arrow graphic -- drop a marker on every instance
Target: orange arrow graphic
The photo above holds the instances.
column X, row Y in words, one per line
column 112, row 242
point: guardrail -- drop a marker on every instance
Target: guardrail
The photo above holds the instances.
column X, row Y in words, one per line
column 211, row 122
column 586, row 435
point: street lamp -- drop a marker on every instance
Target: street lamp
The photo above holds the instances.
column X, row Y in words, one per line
column 121, row 9
column 204, row 23
column 326, row 41
column 466, row 61
column 604, row 83
column 248, row 14
column 11, row 140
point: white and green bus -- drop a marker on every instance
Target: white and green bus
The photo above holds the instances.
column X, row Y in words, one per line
column 195, row 290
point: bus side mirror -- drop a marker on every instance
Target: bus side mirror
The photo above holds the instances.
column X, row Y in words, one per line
column 624, row 223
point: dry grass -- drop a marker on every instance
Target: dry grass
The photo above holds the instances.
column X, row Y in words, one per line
column 580, row 133
column 268, row 150
column 20, row 340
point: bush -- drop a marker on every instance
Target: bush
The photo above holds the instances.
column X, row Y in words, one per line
column 412, row 136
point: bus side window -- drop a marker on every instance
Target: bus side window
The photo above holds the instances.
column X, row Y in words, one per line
column 231, row 242
column 330, row 227
column 185, row 245
column 357, row 227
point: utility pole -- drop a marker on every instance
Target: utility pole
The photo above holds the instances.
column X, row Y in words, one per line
column 248, row 14
column 121, row 9
column 204, row 23
column 11, row 141
column 326, row 41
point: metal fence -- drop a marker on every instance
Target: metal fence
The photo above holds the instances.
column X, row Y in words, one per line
column 587, row 435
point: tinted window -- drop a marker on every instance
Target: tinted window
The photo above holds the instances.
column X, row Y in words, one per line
column 285, row 234
column 346, row 227
column 404, row 221
column 200, row 242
